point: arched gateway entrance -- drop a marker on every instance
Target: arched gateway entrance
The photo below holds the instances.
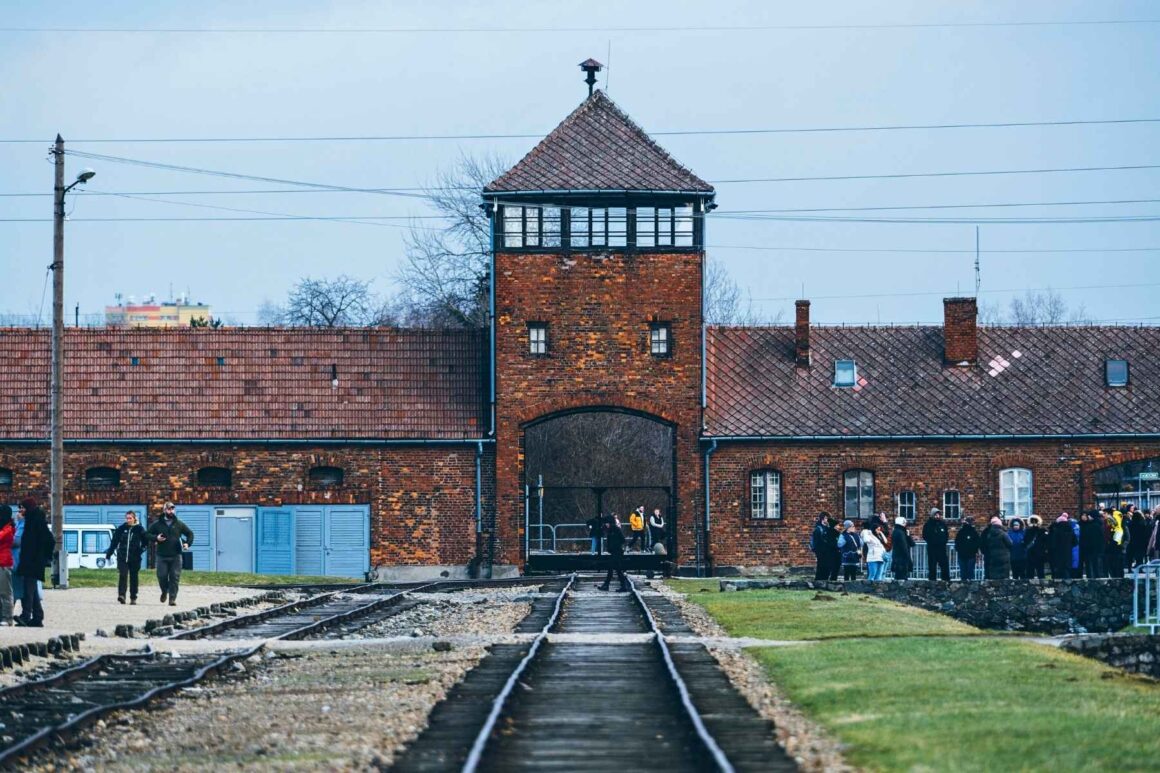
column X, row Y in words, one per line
column 582, row 463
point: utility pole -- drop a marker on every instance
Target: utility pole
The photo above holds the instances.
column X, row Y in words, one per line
column 56, row 458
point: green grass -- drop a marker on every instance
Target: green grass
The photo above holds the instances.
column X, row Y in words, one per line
column 971, row 704
column 107, row 578
column 906, row 689
column 793, row 615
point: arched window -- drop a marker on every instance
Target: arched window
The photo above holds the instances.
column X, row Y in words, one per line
column 1015, row 492
column 765, row 494
column 215, row 477
column 102, row 477
column 858, row 493
column 325, row 476
column 5, row 478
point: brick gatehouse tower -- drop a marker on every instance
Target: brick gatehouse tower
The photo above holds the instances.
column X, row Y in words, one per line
column 598, row 266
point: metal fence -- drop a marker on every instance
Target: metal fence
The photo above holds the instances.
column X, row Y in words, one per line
column 921, row 571
column 1146, row 596
column 1145, row 500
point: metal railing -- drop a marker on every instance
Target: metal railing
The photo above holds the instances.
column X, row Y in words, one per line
column 1145, row 500
column 556, row 538
column 1146, row 596
column 921, row 570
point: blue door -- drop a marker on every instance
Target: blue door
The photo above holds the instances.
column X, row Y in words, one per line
column 308, row 543
column 199, row 519
column 347, row 536
column 275, row 540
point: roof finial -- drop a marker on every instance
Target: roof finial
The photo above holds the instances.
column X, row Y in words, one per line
column 591, row 66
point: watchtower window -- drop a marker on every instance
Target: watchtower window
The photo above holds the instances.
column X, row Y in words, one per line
column 531, row 226
column 536, row 227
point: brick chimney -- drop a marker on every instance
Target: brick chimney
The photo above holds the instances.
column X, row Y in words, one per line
column 801, row 334
column 960, row 333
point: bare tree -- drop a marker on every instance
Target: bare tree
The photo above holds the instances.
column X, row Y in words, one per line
column 445, row 271
column 725, row 304
column 340, row 302
column 1035, row 307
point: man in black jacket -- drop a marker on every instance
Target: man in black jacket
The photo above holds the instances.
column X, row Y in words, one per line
column 614, row 544
column 169, row 533
column 128, row 543
column 934, row 531
column 967, row 548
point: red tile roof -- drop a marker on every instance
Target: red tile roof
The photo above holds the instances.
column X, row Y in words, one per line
column 1028, row 381
column 598, row 148
column 273, row 383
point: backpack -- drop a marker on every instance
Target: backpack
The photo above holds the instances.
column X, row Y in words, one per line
column 851, row 548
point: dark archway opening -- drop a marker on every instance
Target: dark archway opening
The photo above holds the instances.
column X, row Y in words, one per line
column 577, row 465
column 1136, row 483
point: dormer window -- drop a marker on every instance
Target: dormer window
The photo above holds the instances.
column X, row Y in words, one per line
column 845, row 373
column 1116, row 373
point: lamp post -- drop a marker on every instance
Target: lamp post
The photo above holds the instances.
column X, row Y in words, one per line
column 56, row 454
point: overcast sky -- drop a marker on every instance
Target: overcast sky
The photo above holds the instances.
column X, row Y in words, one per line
column 127, row 86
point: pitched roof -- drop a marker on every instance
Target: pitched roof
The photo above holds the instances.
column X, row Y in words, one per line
column 598, row 148
column 1052, row 383
column 274, row 383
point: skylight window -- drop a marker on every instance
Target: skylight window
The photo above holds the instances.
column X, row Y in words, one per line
column 845, row 373
column 1117, row 373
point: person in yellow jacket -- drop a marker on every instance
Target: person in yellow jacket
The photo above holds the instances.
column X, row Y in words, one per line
column 636, row 527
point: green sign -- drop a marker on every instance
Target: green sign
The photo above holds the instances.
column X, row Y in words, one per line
column 1150, row 476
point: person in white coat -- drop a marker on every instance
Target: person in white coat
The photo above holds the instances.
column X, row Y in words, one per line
column 875, row 555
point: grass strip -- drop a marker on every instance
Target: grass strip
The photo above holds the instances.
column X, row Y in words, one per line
column 963, row 704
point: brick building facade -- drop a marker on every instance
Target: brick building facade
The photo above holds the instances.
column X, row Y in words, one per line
column 597, row 280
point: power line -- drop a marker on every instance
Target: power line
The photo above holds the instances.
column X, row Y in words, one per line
column 545, row 30
column 663, row 133
column 237, row 175
column 943, row 206
column 911, row 294
column 136, row 197
column 926, row 250
column 944, row 220
column 968, row 173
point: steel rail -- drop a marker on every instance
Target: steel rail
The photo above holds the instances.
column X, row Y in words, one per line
column 77, row 721
column 350, row 614
column 481, row 739
column 703, row 733
column 265, row 614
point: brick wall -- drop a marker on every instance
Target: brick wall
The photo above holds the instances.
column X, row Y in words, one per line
column 598, row 309
column 422, row 498
column 811, row 481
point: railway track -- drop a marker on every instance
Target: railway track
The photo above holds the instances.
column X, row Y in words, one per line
column 35, row 712
column 610, row 692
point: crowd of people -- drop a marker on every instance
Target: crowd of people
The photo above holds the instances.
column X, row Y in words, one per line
column 1103, row 542
column 645, row 533
column 27, row 548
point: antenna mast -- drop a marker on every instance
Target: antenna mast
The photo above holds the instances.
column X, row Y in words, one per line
column 978, row 268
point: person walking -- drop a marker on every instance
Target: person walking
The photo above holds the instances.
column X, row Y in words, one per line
column 1061, row 540
column 36, row 550
column 900, row 552
column 1138, row 545
column 850, row 546
column 128, row 544
column 934, row 532
column 967, row 548
column 875, row 548
column 1018, row 539
column 614, row 544
column 1091, row 544
column 7, row 536
column 636, row 528
column 1037, row 548
column 169, row 534
column 656, row 528
column 996, row 551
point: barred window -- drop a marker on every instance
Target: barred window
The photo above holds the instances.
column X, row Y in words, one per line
column 325, row 476
column 102, row 477
column 952, row 505
column 658, row 339
column 858, row 488
column 1015, row 492
column 537, row 338
column 215, row 477
column 765, row 494
column 907, row 505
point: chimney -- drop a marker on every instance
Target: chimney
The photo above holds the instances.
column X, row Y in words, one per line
column 960, row 335
column 801, row 334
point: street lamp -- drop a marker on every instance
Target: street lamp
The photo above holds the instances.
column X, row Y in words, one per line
column 56, row 453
